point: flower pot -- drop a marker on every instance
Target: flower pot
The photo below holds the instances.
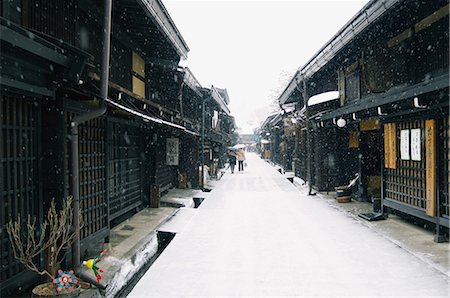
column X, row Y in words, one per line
column 344, row 199
column 343, row 191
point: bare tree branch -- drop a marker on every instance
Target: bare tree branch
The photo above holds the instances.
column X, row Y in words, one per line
column 56, row 233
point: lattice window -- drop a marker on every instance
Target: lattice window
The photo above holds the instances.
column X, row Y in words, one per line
column 19, row 171
column 445, row 174
column 92, row 163
column 125, row 168
column 92, row 175
column 406, row 183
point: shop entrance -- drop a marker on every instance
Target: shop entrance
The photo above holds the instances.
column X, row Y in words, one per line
column 369, row 165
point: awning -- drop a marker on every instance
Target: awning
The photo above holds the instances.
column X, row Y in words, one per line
column 323, row 97
column 391, row 96
column 150, row 118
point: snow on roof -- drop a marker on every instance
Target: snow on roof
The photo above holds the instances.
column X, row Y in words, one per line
column 289, row 107
column 323, row 97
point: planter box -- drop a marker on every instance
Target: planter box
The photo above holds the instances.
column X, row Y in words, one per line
column 343, row 191
column 344, row 199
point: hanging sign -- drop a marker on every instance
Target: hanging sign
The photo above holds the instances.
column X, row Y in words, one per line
column 404, row 144
column 415, row 144
column 369, row 124
column 390, row 146
column 172, row 151
column 353, row 139
column 430, row 160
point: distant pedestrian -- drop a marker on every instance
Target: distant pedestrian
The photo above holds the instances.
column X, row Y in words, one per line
column 232, row 160
column 241, row 158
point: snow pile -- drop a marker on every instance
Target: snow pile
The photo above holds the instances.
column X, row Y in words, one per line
column 129, row 268
column 323, row 97
column 186, row 202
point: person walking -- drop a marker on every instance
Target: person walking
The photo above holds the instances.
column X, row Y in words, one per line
column 232, row 160
column 241, row 158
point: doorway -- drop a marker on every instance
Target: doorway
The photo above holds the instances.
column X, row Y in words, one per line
column 369, row 165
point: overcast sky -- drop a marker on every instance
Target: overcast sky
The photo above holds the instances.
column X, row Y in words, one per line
column 252, row 48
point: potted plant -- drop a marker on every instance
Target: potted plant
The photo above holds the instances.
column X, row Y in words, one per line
column 55, row 235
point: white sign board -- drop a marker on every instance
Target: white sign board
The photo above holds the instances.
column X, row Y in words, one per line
column 172, row 151
column 404, row 144
column 415, row 144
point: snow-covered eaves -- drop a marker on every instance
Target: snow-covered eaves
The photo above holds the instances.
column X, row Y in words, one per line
column 363, row 19
column 276, row 120
column 224, row 94
column 286, row 95
column 190, row 80
column 391, row 96
column 148, row 118
column 288, row 108
column 323, row 97
column 232, row 120
column 157, row 12
column 215, row 94
column 268, row 119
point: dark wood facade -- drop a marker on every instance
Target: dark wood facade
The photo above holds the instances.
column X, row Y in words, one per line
column 50, row 72
column 390, row 67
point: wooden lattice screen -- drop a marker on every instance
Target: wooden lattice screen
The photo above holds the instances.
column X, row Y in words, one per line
column 300, row 161
column 124, row 167
column 164, row 175
column 19, row 171
column 407, row 182
column 92, row 176
column 92, row 171
column 445, row 173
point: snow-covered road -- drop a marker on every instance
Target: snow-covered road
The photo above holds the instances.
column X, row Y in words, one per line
column 256, row 235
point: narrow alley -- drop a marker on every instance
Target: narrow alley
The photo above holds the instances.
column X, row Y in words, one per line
column 258, row 235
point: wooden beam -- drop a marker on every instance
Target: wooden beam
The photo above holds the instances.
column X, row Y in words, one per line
column 434, row 17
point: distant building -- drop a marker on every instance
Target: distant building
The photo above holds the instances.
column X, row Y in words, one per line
column 247, row 139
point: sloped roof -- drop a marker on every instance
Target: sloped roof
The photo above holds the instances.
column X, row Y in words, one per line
column 190, row 80
column 363, row 19
column 215, row 94
column 149, row 23
column 224, row 94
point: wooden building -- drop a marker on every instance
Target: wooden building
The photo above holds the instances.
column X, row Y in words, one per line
column 219, row 128
column 389, row 122
column 147, row 135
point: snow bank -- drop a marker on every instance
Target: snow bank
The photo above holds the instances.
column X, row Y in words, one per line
column 128, row 268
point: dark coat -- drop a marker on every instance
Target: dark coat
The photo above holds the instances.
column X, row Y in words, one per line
column 232, row 159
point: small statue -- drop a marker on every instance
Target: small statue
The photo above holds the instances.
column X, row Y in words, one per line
column 91, row 264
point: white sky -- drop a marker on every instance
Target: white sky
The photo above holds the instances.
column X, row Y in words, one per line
column 252, row 48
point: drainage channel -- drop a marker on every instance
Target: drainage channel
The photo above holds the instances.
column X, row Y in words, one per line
column 197, row 203
column 164, row 238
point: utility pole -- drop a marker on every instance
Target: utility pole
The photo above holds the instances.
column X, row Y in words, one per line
column 309, row 153
column 202, row 154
